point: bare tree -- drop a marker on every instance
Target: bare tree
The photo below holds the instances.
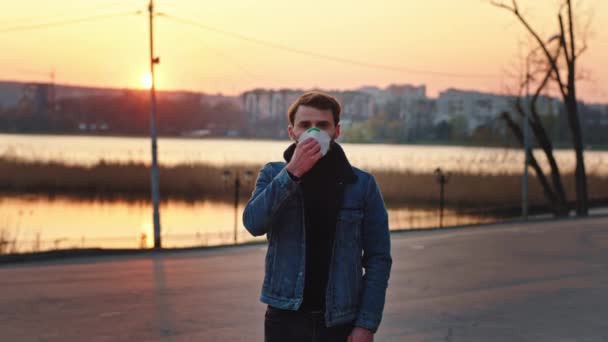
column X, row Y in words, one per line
column 561, row 69
column 553, row 190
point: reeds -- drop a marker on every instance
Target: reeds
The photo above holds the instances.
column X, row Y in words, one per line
column 203, row 181
column 475, row 190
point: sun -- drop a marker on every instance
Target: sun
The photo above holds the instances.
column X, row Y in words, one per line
column 146, row 80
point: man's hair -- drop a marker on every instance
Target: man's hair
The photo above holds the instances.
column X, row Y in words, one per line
column 318, row 100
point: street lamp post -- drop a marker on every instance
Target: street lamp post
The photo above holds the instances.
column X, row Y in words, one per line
column 247, row 176
column 154, row 169
column 526, row 124
column 441, row 178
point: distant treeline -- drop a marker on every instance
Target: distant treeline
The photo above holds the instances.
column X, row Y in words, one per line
column 193, row 114
column 125, row 114
column 387, row 127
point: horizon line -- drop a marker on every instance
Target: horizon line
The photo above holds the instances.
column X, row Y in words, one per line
column 86, row 86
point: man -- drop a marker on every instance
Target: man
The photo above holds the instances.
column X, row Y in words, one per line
column 325, row 221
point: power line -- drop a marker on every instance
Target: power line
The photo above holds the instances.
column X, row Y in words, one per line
column 66, row 22
column 323, row 56
column 227, row 59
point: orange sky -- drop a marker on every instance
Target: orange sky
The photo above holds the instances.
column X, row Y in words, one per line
column 462, row 37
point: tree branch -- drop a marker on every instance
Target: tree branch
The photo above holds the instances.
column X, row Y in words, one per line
column 502, row 5
column 585, row 33
column 562, row 38
column 581, row 50
column 571, row 24
column 546, row 79
column 514, row 9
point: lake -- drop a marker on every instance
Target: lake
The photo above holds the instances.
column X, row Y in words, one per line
column 88, row 150
column 35, row 222
column 40, row 223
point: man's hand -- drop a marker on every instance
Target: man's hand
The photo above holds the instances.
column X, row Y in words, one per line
column 361, row 335
column 307, row 153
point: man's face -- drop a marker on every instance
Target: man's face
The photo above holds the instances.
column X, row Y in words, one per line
column 307, row 117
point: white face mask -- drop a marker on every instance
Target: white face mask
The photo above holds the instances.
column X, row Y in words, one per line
column 320, row 136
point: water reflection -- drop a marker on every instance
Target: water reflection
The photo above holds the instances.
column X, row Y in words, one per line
column 35, row 223
column 89, row 150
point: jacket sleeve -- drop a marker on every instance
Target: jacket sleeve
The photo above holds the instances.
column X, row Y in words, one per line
column 377, row 259
column 268, row 196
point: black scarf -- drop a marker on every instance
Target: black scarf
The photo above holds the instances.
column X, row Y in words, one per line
column 323, row 190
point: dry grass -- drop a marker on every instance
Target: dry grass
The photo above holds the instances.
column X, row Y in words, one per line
column 465, row 190
column 200, row 181
column 8, row 242
column 123, row 180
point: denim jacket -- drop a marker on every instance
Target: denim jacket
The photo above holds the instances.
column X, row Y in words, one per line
column 362, row 242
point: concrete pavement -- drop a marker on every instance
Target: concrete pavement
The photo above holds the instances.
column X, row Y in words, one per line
column 518, row 282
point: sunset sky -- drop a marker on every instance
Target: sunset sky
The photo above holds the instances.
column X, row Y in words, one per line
column 466, row 44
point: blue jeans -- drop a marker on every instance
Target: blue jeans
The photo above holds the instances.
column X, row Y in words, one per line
column 295, row 326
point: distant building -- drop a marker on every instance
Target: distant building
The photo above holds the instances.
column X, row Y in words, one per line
column 395, row 92
column 39, row 98
column 600, row 113
column 10, row 94
column 407, row 103
column 415, row 109
column 216, row 99
column 548, row 106
column 406, row 91
column 476, row 107
column 266, row 111
column 594, row 123
column 264, row 105
column 356, row 105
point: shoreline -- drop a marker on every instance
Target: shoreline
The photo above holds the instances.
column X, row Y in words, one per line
column 98, row 254
column 557, row 147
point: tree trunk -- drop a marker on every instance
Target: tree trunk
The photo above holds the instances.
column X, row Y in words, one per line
column 550, row 195
column 544, row 142
column 582, row 205
column 561, row 208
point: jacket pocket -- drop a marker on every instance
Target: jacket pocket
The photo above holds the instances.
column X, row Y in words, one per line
column 348, row 227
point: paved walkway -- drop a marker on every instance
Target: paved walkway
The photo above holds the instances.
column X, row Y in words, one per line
column 518, row 282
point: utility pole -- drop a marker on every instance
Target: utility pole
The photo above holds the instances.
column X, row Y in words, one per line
column 441, row 178
column 53, row 94
column 237, row 186
column 155, row 176
column 526, row 124
column 247, row 177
